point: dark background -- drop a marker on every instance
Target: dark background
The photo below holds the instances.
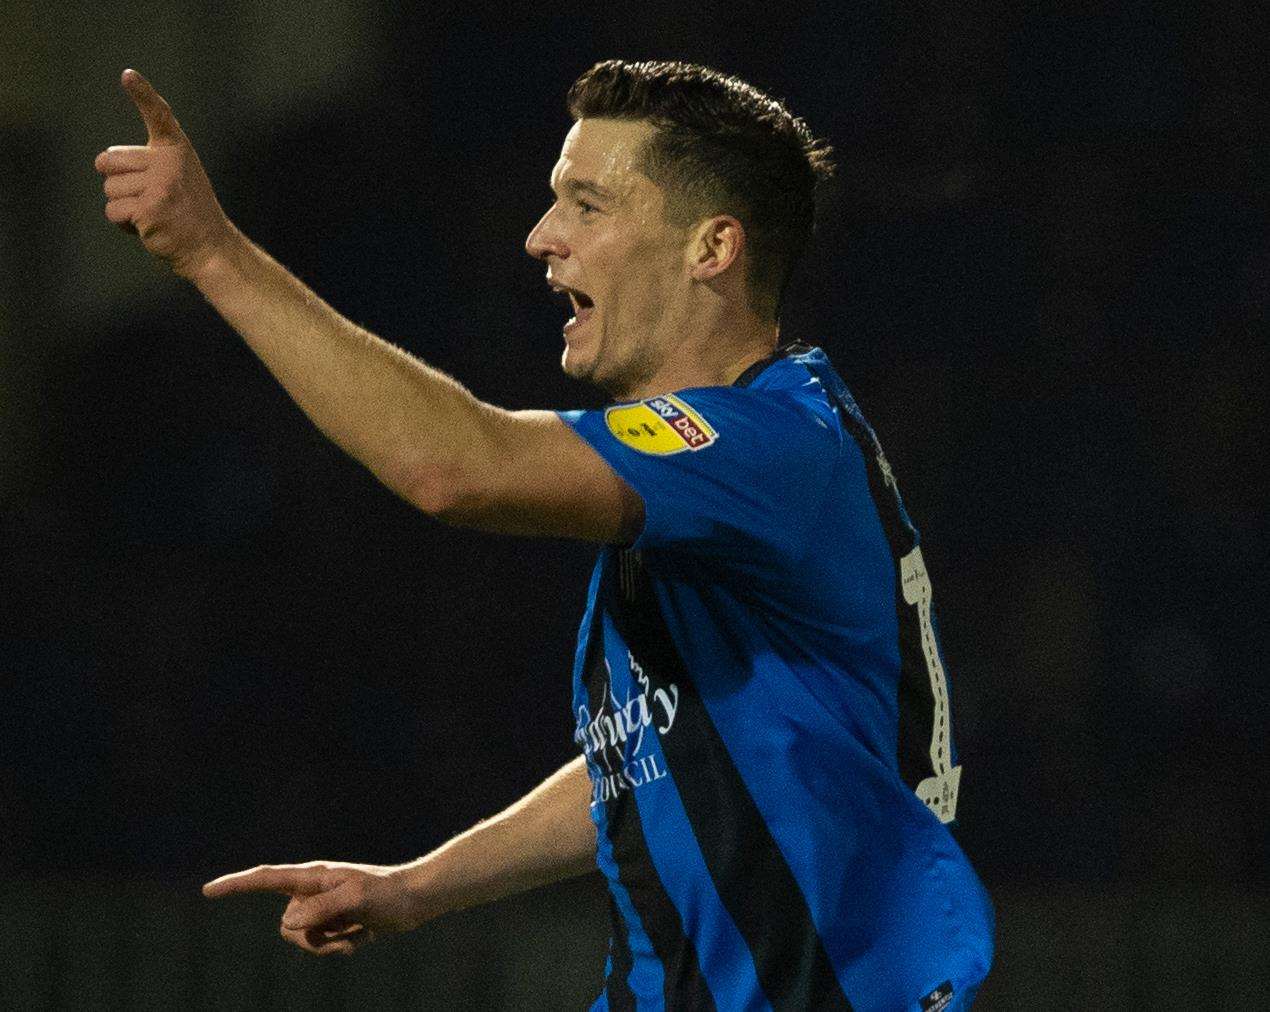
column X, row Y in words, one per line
column 1042, row 270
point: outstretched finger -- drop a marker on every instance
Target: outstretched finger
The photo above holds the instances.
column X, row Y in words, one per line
column 161, row 125
column 290, row 880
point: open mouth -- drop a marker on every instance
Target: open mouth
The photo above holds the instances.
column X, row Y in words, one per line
column 579, row 301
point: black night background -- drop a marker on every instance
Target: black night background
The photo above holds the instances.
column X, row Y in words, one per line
column 1043, row 271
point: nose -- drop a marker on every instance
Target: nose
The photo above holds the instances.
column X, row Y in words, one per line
column 545, row 238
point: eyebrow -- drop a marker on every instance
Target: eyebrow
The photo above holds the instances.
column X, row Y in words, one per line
column 576, row 186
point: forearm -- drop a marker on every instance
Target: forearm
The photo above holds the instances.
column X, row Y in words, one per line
column 419, row 431
column 544, row 837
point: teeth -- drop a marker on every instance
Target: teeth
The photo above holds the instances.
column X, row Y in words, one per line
column 572, row 296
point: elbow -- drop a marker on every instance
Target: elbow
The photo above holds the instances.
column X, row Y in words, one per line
column 445, row 494
column 461, row 489
column 434, row 490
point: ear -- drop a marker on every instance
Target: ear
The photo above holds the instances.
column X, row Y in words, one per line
column 716, row 244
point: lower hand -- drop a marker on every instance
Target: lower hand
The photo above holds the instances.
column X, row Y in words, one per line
column 335, row 907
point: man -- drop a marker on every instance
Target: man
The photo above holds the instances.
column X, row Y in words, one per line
column 767, row 765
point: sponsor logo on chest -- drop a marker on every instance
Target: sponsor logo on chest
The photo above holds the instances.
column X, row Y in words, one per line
column 615, row 738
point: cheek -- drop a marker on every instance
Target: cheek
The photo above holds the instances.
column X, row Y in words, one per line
column 651, row 297
column 641, row 275
column 643, row 280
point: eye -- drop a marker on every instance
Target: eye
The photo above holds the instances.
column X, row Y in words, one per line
column 586, row 208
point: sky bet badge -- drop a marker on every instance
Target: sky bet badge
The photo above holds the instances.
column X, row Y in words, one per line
column 660, row 425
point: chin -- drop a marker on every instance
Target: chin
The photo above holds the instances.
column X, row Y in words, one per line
column 615, row 378
column 570, row 364
column 577, row 366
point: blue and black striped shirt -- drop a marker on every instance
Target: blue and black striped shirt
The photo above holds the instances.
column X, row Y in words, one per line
column 764, row 710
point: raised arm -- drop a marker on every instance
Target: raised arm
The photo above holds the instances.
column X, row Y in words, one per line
column 336, row 907
column 420, row 432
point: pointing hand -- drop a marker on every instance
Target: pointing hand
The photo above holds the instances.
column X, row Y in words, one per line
column 335, row 907
column 159, row 191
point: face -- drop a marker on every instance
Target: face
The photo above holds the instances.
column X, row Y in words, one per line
column 605, row 242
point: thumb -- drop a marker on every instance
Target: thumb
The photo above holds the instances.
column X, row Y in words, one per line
column 314, row 911
column 161, row 125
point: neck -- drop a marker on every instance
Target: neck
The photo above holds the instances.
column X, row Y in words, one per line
column 714, row 360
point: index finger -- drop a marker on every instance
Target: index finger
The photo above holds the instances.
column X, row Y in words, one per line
column 290, row 880
column 161, row 125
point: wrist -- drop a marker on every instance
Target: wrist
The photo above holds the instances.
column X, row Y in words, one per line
column 422, row 889
column 218, row 263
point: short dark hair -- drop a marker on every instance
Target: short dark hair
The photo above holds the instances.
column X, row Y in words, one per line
column 720, row 146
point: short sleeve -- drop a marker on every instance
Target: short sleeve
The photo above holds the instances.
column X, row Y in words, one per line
column 729, row 473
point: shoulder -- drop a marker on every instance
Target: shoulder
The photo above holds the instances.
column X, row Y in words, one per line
column 787, row 408
column 702, row 425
